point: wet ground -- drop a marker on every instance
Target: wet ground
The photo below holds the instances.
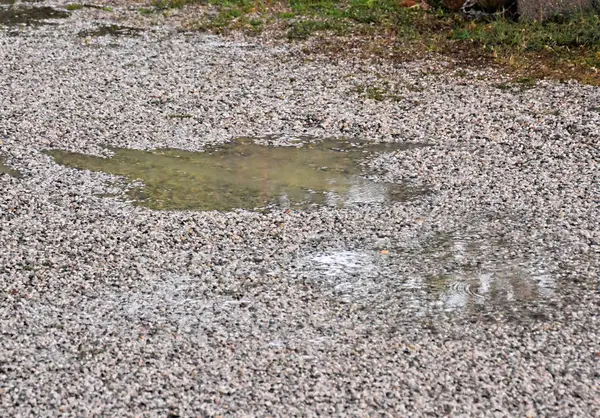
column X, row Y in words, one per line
column 460, row 274
column 378, row 277
column 111, row 30
column 5, row 169
column 30, row 15
column 11, row 2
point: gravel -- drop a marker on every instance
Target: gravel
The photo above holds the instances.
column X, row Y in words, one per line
column 479, row 298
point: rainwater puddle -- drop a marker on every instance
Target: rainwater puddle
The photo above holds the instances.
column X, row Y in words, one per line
column 505, row 284
column 16, row 15
column 453, row 274
column 348, row 271
column 110, row 30
column 245, row 175
column 473, row 270
column 4, row 169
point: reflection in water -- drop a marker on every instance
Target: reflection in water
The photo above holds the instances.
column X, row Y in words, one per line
column 344, row 262
column 458, row 291
column 475, row 271
column 471, row 272
column 245, row 175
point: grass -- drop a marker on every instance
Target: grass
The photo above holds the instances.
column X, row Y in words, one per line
column 379, row 92
column 567, row 47
column 304, row 29
column 74, row 6
column 79, row 6
column 173, row 4
column 579, row 31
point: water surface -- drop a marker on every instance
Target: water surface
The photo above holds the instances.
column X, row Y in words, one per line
column 454, row 272
column 111, row 30
column 4, row 169
column 245, row 175
column 16, row 15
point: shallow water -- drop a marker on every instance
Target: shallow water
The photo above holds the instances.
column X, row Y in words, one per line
column 111, row 30
column 456, row 273
column 474, row 270
column 4, row 169
column 16, row 15
column 505, row 284
column 245, row 175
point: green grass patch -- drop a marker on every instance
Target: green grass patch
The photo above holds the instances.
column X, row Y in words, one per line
column 160, row 5
column 579, row 31
column 379, row 92
column 78, row 6
column 567, row 47
column 301, row 30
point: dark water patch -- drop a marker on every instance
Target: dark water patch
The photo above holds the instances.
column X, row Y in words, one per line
column 245, row 175
column 4, row 169
column 110, row 30
column 79, row 6
column 30, row 15
column 179, row 116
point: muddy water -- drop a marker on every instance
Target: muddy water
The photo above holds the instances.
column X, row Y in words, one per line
column 244, row 175
column 16, row 15
column 111, row 30
column 4, row 169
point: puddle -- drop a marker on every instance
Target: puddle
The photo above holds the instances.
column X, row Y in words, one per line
column 245, row 175
column 30, row 15
column 477, row 271
column 4, row 169
column 507, row 284
column 110, row 30
column 453, row 274
column 350, row 273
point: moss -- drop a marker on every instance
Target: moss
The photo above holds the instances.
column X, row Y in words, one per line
column 75, row 6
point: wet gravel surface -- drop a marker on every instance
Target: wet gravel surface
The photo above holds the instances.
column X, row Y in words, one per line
column 478, row 298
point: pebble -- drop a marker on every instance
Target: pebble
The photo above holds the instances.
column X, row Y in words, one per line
column 105, row 310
